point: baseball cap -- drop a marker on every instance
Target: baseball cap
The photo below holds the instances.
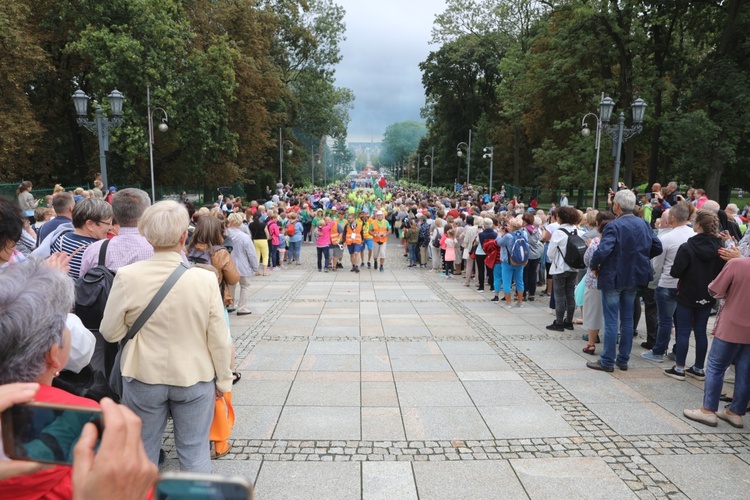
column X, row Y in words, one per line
column 112, row 188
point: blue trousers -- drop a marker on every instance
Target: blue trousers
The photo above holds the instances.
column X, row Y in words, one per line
column 618, row 306
column 512, row 273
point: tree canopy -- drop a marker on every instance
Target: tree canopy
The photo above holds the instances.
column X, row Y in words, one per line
column 521, row 74
column 230, row 74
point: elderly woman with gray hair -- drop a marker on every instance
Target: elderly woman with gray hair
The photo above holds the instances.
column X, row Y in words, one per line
column 34, row 347
column 179, row 361
column 245, row 260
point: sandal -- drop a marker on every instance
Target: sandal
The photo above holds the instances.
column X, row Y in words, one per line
column 590, row 349
column 266, row 274
column 236, row 376
column 220, row 448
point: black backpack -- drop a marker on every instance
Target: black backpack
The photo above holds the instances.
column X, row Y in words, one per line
column 92, row 291
column 574, row 250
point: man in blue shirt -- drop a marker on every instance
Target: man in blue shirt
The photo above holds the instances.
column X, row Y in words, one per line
column 63, row 204
column 622, row 262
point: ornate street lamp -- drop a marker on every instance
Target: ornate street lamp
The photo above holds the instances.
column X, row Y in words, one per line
column 101, row 125
column 619, row 133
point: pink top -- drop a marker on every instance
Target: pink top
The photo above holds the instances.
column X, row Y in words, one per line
column 442, row 241
column 324, row 235
column 733, row 284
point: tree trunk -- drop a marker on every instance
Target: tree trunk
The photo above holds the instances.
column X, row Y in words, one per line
column 517, row 155
column 713, row 178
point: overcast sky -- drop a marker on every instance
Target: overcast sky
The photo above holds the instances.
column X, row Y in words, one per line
column 386, row 41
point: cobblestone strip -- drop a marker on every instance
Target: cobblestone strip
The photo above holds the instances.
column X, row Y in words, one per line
column 245, row 342
column 366, row 339
column 627, row 462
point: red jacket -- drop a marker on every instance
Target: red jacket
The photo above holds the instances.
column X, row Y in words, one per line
column 493, row 253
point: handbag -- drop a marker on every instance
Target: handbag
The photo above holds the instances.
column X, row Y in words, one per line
column 398, row 224
column 115, row 377
column 221, row 426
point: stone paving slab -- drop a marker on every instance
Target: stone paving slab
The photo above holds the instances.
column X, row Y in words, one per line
column 724, row 477
column 404, row 384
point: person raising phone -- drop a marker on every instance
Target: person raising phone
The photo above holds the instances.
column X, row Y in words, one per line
column 34, row 346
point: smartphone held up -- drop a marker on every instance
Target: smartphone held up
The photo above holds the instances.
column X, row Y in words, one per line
column 45, row 432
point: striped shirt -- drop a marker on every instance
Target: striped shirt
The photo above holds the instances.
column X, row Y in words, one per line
column 69, row 243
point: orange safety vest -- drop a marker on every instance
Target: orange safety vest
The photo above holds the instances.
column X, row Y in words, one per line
column 380, row 231
column 335, row 236
column 354, row 237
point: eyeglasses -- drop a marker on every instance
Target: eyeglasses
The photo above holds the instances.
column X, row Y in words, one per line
column 105, row 222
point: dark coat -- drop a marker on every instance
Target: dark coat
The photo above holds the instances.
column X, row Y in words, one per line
column 623, row 257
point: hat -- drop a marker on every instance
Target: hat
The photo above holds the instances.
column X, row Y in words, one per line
column 531, row 210
column 112, row 188
column 379, row 213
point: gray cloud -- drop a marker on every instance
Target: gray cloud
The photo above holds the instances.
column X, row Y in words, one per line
column 386, row 41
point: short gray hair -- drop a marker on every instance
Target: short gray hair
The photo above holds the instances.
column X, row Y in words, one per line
column 711, row 206
column 128, row 205
column 163, row 223
column 626, row 199
column 32, row 318
column 93, row 209
column 679, row 213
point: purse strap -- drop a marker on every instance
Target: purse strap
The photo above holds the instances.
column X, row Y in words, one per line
column 163, row 291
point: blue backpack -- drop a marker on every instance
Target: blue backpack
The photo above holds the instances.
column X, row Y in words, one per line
column 519, row 252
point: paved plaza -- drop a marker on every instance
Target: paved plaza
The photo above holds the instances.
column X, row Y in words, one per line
column 406, row 385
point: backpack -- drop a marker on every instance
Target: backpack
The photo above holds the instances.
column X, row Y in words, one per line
column 519, row 252
column 92, row 291
column 436, row 239
column 290, row 229
column 574, row 250
column 424, row 232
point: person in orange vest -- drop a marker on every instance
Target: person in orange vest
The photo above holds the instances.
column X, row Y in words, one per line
column 354, row 240
column 379, row 229
column 364, row 216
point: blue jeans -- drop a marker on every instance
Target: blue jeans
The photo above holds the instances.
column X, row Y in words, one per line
column 323, row 253
column 274, row 255
column 497, row 278
column 413, row 254
column 294, row 249
column 618, row 305
column 512, row 273
column 665, row 306
column 695, row 319
column 721, row 356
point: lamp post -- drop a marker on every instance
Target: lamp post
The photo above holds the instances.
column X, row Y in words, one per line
column 163, row 127
column 620, row 133
column 432, row 164
column 313, row 156
column 460, row 153
column 282, row 142
column 489, row 152
column 101, row 125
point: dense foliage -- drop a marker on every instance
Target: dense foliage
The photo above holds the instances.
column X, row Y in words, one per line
column 521, row 74
column 230, row 73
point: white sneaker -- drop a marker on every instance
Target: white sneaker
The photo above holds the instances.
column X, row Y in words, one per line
column 519, row 305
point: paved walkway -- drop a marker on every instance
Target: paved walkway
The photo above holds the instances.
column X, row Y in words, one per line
column 403, row 384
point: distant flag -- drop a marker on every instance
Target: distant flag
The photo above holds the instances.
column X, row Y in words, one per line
column 382, row 183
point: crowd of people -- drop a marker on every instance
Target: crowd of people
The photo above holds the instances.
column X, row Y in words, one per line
column 670, row 257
